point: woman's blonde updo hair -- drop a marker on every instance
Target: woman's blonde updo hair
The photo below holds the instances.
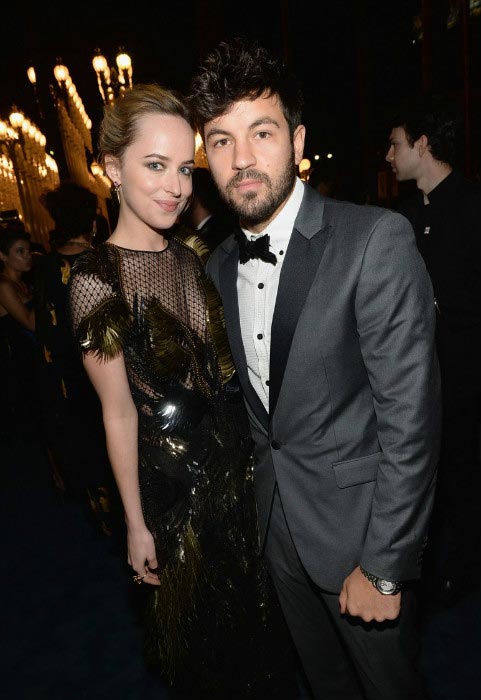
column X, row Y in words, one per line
column 119, row 124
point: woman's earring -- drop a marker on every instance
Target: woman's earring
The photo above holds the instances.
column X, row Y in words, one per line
column 117, row 190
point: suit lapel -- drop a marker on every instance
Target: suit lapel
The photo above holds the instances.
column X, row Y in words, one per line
column 228, row 289
column 303, row 256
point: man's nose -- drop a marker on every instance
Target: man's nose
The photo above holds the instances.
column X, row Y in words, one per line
column 243, row 156
column 390, row 154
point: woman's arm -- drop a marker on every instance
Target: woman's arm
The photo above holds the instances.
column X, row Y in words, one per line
column 13, row 305
column 109, row 378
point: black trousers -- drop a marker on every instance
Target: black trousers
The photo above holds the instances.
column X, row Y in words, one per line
column 454, row 544
column 343, row 657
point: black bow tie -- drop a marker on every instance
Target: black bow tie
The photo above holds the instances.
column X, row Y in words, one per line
column 258, row 248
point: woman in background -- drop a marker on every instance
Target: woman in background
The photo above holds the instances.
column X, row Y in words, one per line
column 72, row 416
column 17, row 337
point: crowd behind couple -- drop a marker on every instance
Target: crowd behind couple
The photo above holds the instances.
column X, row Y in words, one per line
column 291, row 412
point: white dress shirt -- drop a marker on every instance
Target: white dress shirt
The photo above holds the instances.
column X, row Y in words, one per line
column 257, row 284
column 204, row 221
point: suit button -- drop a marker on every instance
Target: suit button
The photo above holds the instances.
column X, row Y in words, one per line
column 275, row 445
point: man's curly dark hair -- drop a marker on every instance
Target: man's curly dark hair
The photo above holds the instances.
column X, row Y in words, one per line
column 436, row 117
column 242, row 69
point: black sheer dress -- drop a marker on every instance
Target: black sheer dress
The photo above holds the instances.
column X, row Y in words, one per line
column 213, row 623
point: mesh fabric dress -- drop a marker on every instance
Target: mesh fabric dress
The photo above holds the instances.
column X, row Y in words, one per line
column 212, row 623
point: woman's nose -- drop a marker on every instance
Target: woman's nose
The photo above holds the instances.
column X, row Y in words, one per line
column 172, row 184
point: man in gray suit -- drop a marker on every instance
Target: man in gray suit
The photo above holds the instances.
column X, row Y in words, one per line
column 330, row 316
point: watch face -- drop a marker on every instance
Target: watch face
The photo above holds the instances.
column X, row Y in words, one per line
column 385, row 587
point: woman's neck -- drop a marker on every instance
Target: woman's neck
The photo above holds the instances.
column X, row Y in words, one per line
column 12, row 275
column 79, row 240
column 74, row 245
column 150, row 240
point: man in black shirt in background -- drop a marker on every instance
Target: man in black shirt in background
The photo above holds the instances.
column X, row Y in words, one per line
column 446, row 216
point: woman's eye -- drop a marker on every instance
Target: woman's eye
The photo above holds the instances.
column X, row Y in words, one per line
column 186, row 170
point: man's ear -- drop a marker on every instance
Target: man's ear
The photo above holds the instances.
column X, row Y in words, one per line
column 112, row 169
column 298, row 141
column 422, row 144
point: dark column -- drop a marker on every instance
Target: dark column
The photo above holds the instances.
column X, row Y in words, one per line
column 427, row 45
column 467, row 88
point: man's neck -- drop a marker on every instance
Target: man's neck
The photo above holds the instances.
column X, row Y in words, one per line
column 432, row 177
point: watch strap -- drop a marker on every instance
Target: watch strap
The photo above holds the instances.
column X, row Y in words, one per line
column 377, row 582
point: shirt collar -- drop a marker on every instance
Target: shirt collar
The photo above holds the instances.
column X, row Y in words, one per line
column 204, row 221
column 445, row 188
column 280, row 228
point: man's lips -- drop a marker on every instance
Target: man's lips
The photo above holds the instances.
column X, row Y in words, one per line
column 248, row 184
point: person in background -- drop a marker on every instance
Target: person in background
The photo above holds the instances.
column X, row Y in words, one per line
column 322, row 181
column 101, row 228
column 446, row 214
column 150, row 327
column 207, row 213
column 71, row 411
column 330, row 316
column 17, row 338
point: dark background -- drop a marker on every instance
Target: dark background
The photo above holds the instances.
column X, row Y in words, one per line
column 355, row 60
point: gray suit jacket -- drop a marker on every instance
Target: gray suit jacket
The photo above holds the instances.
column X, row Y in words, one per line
column 352, row 435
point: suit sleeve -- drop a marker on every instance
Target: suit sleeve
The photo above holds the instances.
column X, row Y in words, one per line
column 395, row 315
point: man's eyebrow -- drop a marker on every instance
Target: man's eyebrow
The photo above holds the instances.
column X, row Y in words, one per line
column 264, row 120
column 218, row 131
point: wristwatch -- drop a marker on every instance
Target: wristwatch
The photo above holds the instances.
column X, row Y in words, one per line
column 381, row 585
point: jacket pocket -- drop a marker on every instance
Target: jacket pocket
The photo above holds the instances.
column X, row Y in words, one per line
column 356, row 471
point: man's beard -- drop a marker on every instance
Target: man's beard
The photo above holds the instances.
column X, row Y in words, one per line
column 252, row 209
